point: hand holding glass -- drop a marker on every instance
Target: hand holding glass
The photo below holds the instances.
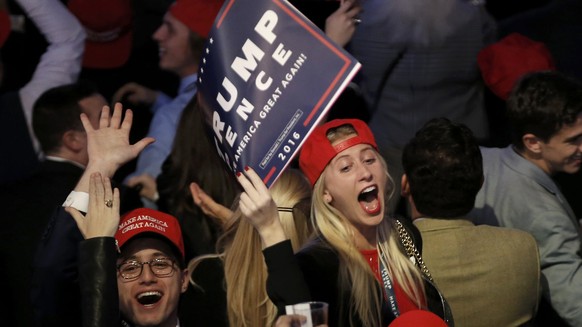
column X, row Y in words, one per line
column 315, row 312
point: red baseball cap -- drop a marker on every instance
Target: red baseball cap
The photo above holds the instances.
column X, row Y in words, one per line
column 503, row 63
column 108, row 24
column 317, row 150
column 145, row 220
column 420, row 318
column 5, row 26
column 198, row 15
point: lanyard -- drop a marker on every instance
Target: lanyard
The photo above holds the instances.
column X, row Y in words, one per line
column 389, row 290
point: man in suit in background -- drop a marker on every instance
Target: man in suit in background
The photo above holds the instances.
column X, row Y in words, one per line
column 60, row 64
column 28, row 204
column 489, row 275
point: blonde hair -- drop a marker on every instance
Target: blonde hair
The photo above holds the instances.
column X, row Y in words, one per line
column 355, row 273
column 244, row 267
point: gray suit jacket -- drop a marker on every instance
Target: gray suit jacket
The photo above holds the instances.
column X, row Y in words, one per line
column 489, row 275
column 406, row 85
column 518, row 194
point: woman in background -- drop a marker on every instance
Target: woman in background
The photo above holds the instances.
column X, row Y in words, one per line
column 234, row 281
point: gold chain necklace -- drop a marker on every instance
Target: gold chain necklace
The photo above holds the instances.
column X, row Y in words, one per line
column 411, row 249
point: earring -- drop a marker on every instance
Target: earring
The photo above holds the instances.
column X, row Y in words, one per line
column 327, row 198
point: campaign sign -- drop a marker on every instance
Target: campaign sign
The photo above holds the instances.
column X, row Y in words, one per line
column 266, row 78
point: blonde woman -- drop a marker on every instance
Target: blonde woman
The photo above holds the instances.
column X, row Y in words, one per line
column 356, row 263
column 240, row 269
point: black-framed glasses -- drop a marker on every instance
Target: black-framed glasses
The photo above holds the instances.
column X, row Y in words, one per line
column 160, row 267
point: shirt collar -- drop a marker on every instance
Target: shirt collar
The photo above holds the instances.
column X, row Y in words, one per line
column 59, row 159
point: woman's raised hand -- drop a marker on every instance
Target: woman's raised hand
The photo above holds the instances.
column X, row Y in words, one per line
column 257, row 205
column 208, row 205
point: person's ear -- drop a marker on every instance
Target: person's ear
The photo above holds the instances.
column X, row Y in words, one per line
column 185, row 280
column 74, row 140
column 532, row 143
column 404, row 186
column 327, row 197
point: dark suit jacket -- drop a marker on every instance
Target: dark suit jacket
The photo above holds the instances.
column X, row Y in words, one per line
column 18, row 158
column 28, row 206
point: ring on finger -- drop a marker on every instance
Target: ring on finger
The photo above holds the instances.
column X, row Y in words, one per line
column 109, row 203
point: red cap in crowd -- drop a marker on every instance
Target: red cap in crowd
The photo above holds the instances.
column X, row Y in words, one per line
column 145, row 220
column 108, row 24
column 198, row 15
column 317, row 150
column 418, row 318
column 503, row 63
column 5, row 27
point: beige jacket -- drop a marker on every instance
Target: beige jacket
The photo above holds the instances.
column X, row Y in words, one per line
column 489, row 275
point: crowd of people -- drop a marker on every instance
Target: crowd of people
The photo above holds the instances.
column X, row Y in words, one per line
column 432, row 194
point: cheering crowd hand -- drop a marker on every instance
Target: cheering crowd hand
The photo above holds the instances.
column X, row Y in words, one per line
column 341, row 25
column 136, row 94
column 148, row 186
column 208, row 205
column 108, row 146
column 102, row 218
column 257, row 205
column 290, row 321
